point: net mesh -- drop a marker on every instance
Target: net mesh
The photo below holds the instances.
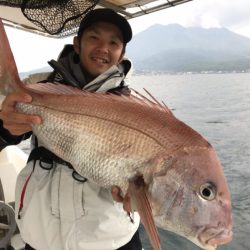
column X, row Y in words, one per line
column 60, row 18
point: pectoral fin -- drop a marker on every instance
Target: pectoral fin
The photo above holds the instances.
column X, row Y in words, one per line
column 139, row 202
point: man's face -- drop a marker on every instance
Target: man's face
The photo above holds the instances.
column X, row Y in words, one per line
column 100, row 47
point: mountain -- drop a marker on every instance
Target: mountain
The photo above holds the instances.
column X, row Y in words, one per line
column 173, row 48
column 23, row 75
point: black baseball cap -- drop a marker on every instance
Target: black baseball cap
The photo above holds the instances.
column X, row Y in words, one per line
column 109, row 16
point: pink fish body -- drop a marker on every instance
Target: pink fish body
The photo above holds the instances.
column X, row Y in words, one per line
column 171, row 173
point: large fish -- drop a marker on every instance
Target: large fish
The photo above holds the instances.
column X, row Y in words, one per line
column 170, row 172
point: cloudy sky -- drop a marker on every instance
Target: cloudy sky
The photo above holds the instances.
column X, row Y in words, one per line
column 231, row 14
column 33, row 51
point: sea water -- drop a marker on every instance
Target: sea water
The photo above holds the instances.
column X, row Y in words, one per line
column 218, row 107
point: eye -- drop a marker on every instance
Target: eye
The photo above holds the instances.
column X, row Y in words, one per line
column 113, row 43
column 208, row 191
column 93, row 37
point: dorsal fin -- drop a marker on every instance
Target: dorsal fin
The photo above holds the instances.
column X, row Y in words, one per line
column 61, row 89
column 155, row 101
column 54, row 88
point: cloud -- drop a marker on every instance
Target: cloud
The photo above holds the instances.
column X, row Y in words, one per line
column 230, row 14
column 227, row 12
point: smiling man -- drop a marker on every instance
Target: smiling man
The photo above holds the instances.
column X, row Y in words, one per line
column 99, row 47
column 56, row 207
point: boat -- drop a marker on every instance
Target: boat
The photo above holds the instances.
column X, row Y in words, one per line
column 21, row 15
column 27, row 16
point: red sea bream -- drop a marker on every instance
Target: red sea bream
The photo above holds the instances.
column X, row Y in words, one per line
column 171, row 173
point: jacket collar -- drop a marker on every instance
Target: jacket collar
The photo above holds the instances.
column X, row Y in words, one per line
column 68, row 70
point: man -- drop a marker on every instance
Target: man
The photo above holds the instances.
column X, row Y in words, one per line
column 57, row 208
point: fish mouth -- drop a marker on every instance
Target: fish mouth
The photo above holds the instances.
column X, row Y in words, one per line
column 210, row 238
column 221, row 238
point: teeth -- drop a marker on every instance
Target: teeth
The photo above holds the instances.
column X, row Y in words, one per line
column 100, row 59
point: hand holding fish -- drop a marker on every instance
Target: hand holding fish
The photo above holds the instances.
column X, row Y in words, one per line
column 116, row 194
column 15, row 122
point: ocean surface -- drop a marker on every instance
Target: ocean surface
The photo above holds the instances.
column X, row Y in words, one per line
column 218, row 107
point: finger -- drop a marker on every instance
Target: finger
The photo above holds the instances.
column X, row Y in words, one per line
column 127, row 204
column 19, row 123
column 116, row 194
column 19, row 118
column 19, row 130
column 10, row 101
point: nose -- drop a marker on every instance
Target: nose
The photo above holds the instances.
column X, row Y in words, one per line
column 102, row 46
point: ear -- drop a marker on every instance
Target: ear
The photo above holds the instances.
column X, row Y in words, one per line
column 121, row 57
column 76, row 43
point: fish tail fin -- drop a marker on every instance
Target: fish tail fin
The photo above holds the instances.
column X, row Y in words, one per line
column 9, row 78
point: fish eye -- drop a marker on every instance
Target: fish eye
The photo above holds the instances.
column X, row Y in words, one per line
column 208, row 191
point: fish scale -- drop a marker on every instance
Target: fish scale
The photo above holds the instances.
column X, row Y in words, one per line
column 104, row 144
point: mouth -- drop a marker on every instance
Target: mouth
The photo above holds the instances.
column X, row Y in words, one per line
column 213, row 237
column 100, row 60
column 221, row 238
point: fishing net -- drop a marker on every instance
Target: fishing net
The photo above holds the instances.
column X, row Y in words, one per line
column 55, row 17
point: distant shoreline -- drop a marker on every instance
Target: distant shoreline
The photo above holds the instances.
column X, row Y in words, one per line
column 153, row 72
column 139, row 72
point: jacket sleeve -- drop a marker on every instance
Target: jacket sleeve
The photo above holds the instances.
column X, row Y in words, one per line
column 6, row 138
